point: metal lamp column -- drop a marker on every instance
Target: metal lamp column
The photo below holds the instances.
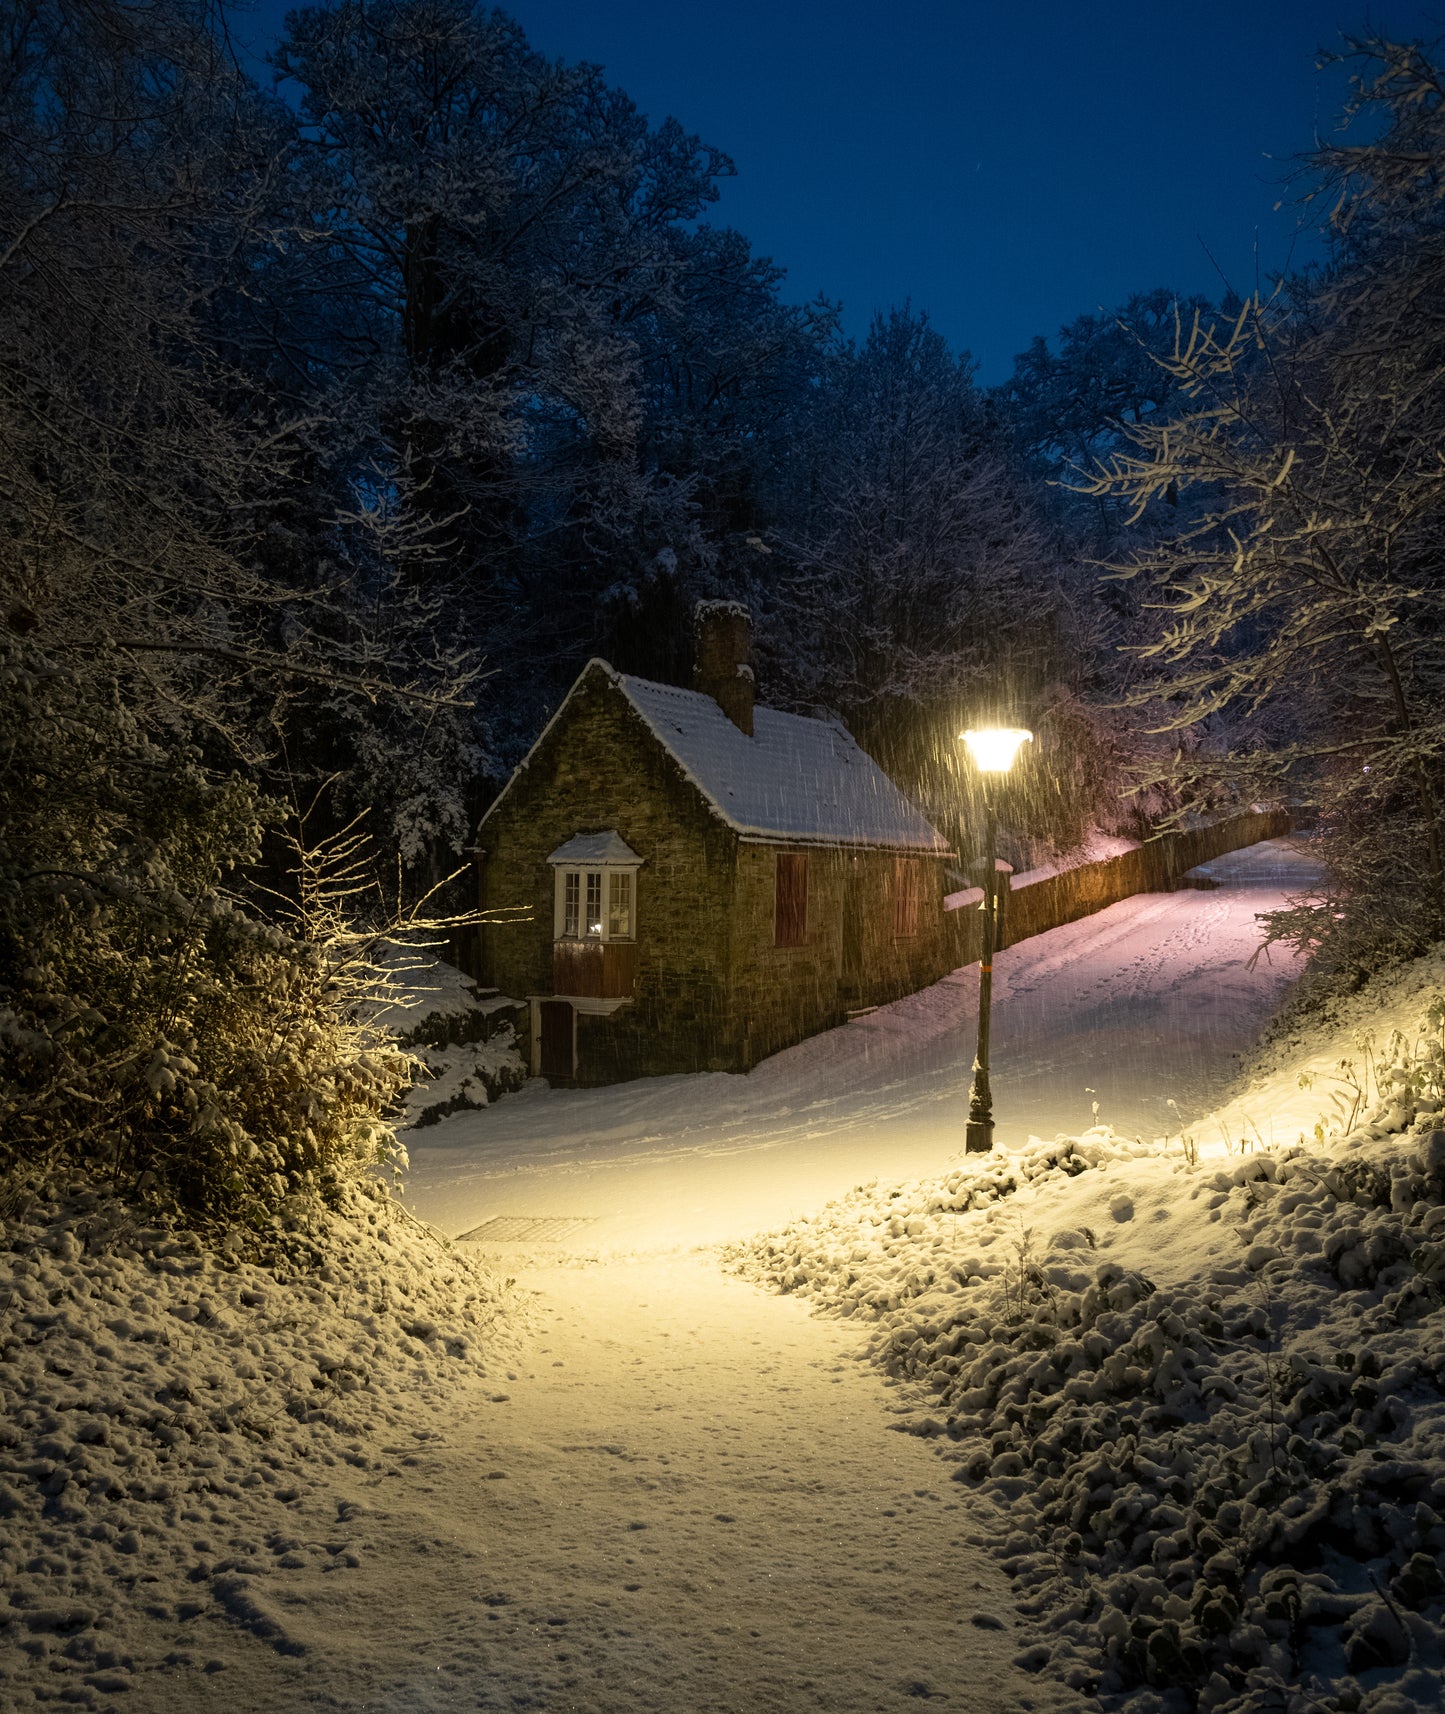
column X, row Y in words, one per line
column 978, row 1134
column 993, row 749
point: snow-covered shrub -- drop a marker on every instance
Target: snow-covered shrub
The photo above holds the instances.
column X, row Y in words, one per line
column 1216, row 1491
column 464, row 1044
column 154, row 1026
column 465, row 1075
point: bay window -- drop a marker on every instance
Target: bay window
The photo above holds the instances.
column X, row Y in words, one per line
column 596, row 888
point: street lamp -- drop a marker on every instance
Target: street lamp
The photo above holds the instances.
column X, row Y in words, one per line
column 993, row 750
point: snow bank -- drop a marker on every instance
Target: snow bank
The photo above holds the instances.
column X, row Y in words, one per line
column 464, row 1075
column 1203, row 1398
column 163, row 1407
column 466, row 1039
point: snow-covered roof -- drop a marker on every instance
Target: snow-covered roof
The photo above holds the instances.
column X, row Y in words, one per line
column 608, row 847
column 796, row 778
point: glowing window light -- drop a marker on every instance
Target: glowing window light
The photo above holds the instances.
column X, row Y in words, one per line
column 994, row 747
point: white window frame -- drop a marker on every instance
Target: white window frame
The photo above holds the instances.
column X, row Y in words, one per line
column 582, row 873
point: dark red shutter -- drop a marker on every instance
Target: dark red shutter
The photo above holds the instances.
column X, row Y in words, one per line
column 905, row 897
column 790, row 918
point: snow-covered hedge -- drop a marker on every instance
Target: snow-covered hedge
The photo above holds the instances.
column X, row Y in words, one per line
column 463, row 1043
column 1222, row 1489
column 162, row 1026
column 168, row 1410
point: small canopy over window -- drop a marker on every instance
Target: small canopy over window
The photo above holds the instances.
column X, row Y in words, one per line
column 596, row 888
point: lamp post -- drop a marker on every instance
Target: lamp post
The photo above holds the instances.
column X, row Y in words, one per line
column 993, row 750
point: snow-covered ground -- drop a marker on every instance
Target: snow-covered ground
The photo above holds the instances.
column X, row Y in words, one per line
column 1142, row 1004
column 1200, row 1383
column 343, row 1483
column 196, row 1450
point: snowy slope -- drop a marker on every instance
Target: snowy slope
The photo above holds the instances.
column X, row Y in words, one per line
column 1201, row 1385
column 184, row 1435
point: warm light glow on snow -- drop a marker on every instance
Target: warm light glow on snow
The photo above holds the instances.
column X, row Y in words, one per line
column 995, row 747
column 1147, row 1001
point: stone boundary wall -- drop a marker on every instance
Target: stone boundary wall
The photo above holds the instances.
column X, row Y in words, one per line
column 1155, row 867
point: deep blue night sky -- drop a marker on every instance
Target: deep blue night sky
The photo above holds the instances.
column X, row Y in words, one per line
column 1004, row 164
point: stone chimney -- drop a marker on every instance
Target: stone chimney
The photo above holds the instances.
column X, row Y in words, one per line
column 723, row 631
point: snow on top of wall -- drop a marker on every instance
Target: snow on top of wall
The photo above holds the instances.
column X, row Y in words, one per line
column 1097, row 848
column 974, row 895
column 796, row 778
column 608, row 847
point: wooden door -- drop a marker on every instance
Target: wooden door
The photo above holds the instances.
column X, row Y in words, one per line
column 558, row 1023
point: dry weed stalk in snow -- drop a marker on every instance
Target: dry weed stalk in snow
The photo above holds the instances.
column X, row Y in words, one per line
column 164, row 1404
column 1203, row 1398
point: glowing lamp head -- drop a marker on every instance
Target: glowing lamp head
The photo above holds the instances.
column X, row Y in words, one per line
column 994, row 748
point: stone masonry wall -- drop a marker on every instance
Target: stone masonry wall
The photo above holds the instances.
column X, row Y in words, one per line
column 600, row 768
column 782, row 994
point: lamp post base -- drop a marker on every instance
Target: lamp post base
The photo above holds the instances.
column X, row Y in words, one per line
column 978, row 1136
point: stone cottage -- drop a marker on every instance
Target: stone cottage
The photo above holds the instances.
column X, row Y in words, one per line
column 707, row 881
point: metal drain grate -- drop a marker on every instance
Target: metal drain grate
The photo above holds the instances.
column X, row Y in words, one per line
column 521, row 1228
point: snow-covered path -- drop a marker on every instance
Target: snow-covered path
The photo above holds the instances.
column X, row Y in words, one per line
column 1142, row 1003
column 684, row 1501
column 683, row 1498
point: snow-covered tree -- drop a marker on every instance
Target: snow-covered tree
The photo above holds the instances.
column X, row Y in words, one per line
column 564, row 372
column 157, row 1014
column 910, row 584
column 1067, row 404
column 1301, row 609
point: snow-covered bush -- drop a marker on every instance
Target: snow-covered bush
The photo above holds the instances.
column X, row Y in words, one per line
column 1222, row 1489
column 465, row 1075
column 464, row 1043
column 154, row 1027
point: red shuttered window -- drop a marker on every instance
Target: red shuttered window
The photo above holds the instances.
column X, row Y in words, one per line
column 790, row 911
column 905, row 897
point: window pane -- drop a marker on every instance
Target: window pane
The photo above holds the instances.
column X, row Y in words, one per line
column 594, row 902
column 619, row 908
column 571, row 902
